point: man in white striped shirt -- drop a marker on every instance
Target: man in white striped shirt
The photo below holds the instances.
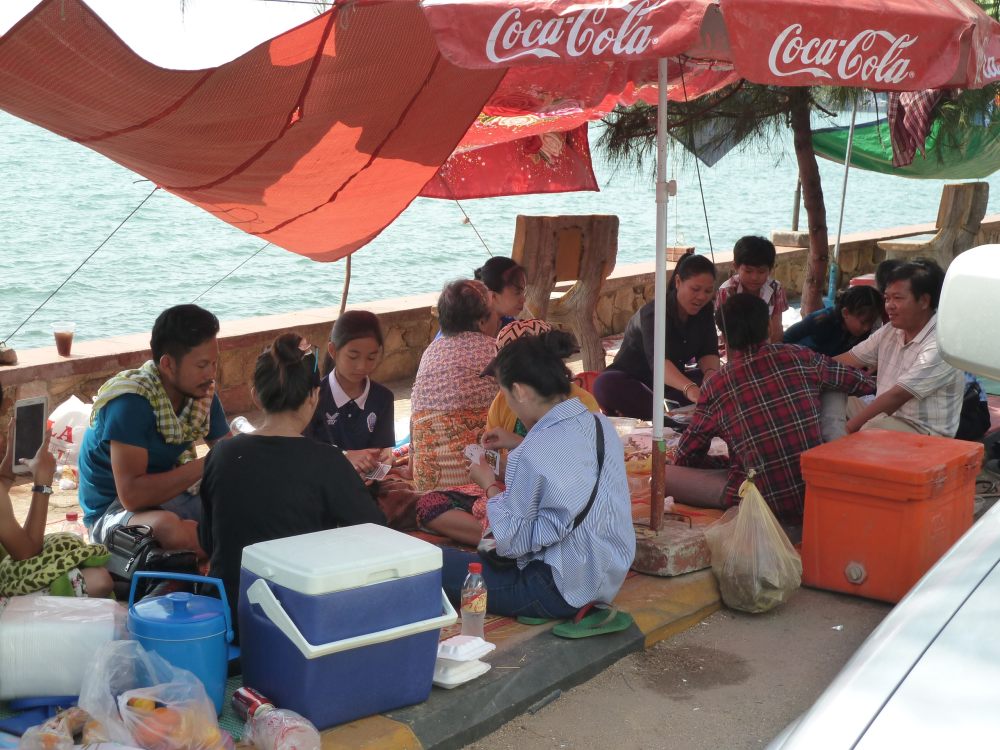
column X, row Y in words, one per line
column 917, row 391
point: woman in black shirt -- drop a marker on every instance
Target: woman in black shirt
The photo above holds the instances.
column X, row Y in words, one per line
column 275, row 483
column 625, row 388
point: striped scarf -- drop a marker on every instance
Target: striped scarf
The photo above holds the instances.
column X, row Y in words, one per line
column 190, row 425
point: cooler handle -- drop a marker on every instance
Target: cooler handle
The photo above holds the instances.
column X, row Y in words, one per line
column 217, row 582
column 260, row 593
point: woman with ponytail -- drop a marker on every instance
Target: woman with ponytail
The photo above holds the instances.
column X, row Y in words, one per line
column 626, row 387
column 274, row 483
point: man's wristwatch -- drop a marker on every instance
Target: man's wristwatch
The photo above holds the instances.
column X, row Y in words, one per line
column 42, row 489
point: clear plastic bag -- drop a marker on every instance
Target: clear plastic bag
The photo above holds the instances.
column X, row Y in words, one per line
column 144, row 701
column 60, row 732
column 756, row 565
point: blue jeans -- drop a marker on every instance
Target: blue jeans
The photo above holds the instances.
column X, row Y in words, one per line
column 510, row 592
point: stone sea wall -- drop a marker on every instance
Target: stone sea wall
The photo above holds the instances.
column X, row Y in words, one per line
column 408, row 324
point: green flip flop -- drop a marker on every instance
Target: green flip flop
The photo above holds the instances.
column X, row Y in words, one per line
column 597, row 622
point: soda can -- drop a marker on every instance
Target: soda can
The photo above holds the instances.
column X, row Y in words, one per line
column 247, row 701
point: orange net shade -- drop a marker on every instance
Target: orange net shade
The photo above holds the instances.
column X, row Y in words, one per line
column 314, row 141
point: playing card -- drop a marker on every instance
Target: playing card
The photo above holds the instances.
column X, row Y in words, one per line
column 493, row 459
column 474, row 452
column 379, row 472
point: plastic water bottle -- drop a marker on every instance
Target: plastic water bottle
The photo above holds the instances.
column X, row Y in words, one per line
column 281, row 729
column 241, row 424
column 73, row 525
column 270, row 728
column 474, row 601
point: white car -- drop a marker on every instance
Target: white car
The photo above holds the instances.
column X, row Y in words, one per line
column 929, row 675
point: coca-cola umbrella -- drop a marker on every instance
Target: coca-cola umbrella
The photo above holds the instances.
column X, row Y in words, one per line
column 902, row 45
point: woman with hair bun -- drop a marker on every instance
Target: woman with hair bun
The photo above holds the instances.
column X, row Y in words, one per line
column 273, row 482
column 564, row 519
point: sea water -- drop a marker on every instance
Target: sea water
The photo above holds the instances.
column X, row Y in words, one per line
column 60, row 200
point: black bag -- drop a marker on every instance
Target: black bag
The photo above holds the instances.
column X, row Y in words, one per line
column 487, row 548
column 134, row 549
column 974, row 421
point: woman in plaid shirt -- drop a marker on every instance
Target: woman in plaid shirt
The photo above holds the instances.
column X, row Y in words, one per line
column 765, row 404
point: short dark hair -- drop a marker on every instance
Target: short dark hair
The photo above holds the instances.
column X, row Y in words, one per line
column 883, row 270
column 499, row 272
column 462, row 305
column 537, row 361
column 746, row 318
column 285, row 374
column 180, row 329
column 860, row 300
column 754, row 251
column 925, row 277
column 353, row 325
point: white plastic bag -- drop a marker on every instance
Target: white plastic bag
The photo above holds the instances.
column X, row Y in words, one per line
column 67, row 423
column 757, row 567
column 144, row 701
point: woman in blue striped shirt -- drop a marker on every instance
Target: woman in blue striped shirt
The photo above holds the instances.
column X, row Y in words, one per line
column 564, row 519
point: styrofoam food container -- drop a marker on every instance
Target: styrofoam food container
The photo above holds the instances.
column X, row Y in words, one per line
column 449, row 673
column 464, row 648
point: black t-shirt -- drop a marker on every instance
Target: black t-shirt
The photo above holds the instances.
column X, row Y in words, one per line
column 260, row 487
column 351, row 427
column 694, row 338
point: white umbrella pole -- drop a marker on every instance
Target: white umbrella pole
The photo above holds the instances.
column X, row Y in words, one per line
column 660, row 303
column 834, row 268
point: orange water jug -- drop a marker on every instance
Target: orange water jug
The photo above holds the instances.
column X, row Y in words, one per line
column 882, row 507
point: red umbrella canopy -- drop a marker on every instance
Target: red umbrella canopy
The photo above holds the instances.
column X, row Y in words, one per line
column 904, row 45
column 319, row 138
column 572, row 62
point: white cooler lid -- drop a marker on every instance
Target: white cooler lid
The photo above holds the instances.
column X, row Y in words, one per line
column 340, row 559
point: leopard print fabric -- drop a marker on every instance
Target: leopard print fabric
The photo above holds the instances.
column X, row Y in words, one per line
column 60, row 554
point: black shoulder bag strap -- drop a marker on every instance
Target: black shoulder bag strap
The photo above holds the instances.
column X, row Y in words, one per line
column 600, row 465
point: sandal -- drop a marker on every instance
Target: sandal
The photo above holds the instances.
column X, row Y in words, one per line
column 593, row 621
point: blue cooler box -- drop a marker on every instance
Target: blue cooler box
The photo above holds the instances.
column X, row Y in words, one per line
column 343, row 623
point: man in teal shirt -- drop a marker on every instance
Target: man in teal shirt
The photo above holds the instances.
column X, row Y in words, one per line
column 137, row 462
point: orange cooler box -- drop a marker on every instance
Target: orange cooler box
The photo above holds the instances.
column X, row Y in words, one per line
column 882, row 507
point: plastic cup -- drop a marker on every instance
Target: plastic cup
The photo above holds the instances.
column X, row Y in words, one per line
column 63, row 333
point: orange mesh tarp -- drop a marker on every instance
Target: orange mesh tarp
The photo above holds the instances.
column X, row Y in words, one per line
column 314, row 141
